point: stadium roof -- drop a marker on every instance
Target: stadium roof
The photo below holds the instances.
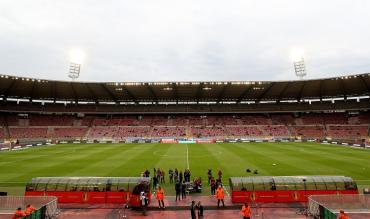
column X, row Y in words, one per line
column 211, row 91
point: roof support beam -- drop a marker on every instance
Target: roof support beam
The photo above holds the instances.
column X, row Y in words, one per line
column 54, row 88
column 365, row 83
column 154, row 96
column 175, row 92
column 259, row 98
column 320, row 90
column 8, row 89
column 199, row 92
column 32, row 93
column 132, row 97
column 110, row 92
column 343, row 86
column 222, row 92
column 245, row 92
column 92, row 92
column 283, row 91
column 299, row 97
column 74, row 93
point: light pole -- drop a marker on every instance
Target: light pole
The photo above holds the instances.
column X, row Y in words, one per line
column 77, row 56
column 298, row 62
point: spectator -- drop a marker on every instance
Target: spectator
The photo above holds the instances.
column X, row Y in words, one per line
column 155, row 182
column 170, row 175
column 29, row 209
column 178, row 190
column 219, row 175
column 220, row 195
column 209, row 174
column 213, row 186
column 162, row 176
column 147, row 173
column 200, row 210
column 19, row 214
column 181, row 176
column 160, row 197
column 246, row 211
column 183, row 190
column 144, row 202
column 192, row 210
column 342, row 215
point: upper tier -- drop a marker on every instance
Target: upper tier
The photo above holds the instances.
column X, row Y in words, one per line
column 226, row 91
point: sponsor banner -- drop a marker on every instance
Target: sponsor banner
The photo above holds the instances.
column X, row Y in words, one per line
column 187, row 142
column 169, row 141
column 205, row 141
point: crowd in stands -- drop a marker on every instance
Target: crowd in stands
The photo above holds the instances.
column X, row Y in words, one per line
column 118, row 127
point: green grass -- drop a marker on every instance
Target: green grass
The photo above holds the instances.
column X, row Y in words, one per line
column 18, row 167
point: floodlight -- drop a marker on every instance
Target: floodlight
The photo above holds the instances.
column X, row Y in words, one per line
column 296, row 54
column 77, row 56
column 298, row 61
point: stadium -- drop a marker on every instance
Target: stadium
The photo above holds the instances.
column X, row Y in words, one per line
column 286, row 128
column 184, row 109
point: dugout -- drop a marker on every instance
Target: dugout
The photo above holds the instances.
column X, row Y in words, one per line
column 288, row 188
column 90, row 190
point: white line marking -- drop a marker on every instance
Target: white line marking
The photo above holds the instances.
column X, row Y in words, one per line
column 187, row 156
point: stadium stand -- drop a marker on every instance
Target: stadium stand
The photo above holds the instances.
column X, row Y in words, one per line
column 317, row 125
column 28, row 133
column 265, row 109
column 70, row 132
column 310, row 131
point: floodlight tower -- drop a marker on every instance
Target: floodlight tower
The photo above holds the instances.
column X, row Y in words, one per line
column 76, row 58
column 298, row 62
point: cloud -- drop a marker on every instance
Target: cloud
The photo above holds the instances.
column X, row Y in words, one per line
column 168, row 40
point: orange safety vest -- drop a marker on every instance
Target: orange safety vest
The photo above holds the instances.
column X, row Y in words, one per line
column 160, row 194
column 343, row 216
column 29, row 210
column 18, row 214
column 220, row 193
column 246, row 211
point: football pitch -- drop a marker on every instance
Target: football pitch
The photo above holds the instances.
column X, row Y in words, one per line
column 281, row 159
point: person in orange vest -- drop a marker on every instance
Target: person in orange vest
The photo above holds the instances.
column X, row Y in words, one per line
column 342, row 215
column 220, row 195
column 29, row 209
column 160, row 196
column 19, row 214
column 246, row 211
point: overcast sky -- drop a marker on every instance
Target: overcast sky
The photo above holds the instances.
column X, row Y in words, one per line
column 189, row 40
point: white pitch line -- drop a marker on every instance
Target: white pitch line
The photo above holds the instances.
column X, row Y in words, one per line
column 187, row 156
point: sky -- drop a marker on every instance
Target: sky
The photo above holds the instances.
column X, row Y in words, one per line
column 184, row 40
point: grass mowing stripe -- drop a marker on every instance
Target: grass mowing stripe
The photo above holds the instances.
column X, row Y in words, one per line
column 187, row 156
column 131, row 159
